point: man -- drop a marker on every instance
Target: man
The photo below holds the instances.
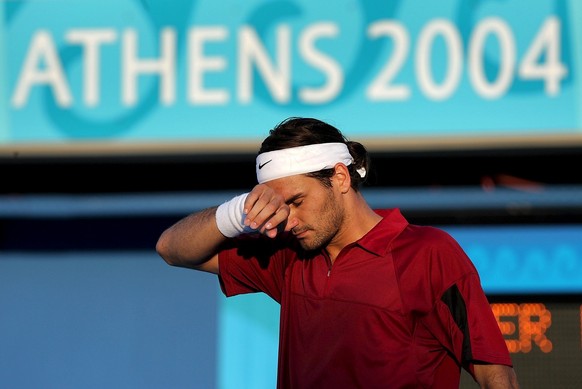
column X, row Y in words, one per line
column 367, row 299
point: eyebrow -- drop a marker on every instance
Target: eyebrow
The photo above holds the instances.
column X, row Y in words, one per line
column 293, row 198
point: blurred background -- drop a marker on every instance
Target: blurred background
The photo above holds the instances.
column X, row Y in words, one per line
column 118, row 118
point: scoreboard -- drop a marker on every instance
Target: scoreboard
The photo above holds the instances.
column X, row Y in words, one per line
column 544, row 337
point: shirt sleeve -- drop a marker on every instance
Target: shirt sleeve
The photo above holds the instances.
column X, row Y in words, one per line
column 461, row 318
column 462, row 321
column 482, row 338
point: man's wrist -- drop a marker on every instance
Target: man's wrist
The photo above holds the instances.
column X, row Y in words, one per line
column 230, row 216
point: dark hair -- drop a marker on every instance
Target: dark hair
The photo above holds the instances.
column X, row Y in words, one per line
column 297, row 131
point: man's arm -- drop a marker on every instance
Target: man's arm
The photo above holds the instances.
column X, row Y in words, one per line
column 194, row 241
column 495, row 376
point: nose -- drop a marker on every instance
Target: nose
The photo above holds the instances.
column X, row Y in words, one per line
column 292, row 220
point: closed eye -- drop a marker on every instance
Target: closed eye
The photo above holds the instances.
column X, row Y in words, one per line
column 295, row 201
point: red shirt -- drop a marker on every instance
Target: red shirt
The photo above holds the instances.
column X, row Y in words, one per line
column 401, row 307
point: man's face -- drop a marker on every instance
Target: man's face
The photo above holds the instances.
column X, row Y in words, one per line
column 318, row 209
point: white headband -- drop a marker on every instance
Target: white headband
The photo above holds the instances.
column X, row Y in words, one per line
column 303, row 159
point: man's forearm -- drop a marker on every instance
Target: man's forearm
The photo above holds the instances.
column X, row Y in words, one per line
column 496, row 377
column 192, row 240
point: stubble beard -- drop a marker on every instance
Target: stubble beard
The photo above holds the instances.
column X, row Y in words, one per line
column 327, row 227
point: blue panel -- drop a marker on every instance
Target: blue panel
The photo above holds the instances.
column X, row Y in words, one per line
column 105, row 320
column 248, row 342
column 525, row 259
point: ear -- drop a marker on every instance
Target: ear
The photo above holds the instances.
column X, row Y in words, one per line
column 341, row 177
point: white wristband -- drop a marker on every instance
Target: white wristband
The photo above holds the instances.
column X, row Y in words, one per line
column 230, row 216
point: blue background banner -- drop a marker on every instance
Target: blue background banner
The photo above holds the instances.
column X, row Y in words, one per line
column 145, row 74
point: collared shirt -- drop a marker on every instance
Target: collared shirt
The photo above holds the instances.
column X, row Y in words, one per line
column 401, row 307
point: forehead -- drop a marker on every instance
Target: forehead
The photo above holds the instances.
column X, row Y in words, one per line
column 293, row 185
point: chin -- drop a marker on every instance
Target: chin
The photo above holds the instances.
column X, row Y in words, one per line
column 309, row 245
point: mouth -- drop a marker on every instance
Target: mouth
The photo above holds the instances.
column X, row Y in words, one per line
column 299, row 233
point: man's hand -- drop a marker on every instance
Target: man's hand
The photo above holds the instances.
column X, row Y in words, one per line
column 267, row 211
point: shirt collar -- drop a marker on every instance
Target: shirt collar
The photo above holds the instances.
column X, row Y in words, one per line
column 379, row 239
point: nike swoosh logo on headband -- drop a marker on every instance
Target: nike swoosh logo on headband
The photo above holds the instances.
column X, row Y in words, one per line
column 263, row 164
